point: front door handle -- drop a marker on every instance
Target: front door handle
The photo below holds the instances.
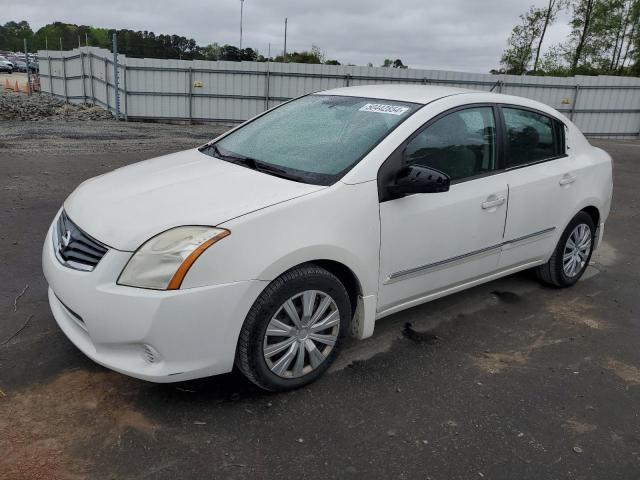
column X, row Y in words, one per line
column 493, row 202
column 567, row 179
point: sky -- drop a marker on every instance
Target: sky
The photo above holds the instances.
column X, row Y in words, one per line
column 463, row 35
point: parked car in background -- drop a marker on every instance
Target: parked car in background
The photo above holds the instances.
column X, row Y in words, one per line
column 266, row 246
column 6, row 66
column 21, row 66
column 6, row 59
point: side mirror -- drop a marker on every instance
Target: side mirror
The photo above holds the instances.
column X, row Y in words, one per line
column 419, row 179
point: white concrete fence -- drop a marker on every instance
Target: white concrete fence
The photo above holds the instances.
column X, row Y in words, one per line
column 231, row 92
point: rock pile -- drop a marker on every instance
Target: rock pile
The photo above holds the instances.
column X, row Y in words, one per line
column 45, row 107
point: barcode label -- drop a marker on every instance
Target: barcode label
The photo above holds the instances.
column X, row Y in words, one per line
column 384, row 108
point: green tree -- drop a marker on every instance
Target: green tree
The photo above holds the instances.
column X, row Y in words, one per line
column 633, row 43
column 516, row 59
column 397, row 63
column 138, row 44
column 12, row 35
column 603, row 36
column 213, row 51
column 603, row 39
column 581, row 23
column 626, row 34
column 315, row 55
column 549, row 16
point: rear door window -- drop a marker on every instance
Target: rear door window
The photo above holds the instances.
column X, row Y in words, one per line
column 531, row 137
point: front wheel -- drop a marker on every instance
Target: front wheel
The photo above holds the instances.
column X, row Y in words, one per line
column 572, row 254
column 294, row 330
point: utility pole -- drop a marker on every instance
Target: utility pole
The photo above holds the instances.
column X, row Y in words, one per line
column 241, row 13
column 285, row 40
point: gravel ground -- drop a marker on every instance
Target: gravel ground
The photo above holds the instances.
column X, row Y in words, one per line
column 38, row 107
column 101, row 136
column 508, row 380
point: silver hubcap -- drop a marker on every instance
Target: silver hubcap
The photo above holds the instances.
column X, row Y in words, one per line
column 302, row 333
column 576, row 250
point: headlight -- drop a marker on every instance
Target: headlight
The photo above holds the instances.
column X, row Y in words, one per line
column 162, row 262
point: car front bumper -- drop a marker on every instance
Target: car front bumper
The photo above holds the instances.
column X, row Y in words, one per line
column 159, row 336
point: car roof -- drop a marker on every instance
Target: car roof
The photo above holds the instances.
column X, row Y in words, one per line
column 401, row 93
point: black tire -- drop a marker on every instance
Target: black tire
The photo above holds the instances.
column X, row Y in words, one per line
column 552, row 273
column 250, row 353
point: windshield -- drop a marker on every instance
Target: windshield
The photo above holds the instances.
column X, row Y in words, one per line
column 314, row 139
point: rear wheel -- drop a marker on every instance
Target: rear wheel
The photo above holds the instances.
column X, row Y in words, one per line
column 572, row 254
column 294, row 330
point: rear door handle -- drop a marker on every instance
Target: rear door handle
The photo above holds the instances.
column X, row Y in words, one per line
column 494, row 202
column 567, row 179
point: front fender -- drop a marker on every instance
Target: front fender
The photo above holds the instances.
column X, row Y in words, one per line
column 340, row 223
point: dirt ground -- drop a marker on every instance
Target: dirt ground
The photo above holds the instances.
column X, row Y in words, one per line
column 509, row 380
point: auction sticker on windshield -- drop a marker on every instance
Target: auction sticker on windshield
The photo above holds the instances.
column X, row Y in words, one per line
column 384, row 108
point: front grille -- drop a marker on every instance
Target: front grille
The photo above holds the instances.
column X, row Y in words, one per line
column 74, row 248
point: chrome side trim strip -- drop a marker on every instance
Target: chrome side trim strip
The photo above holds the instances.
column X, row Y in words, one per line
column 430, row 266
column 527, row 237
column 461, row 258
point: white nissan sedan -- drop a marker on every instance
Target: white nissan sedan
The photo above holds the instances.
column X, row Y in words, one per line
column 267, row 246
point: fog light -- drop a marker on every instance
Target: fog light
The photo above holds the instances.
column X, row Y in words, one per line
column 150, row 354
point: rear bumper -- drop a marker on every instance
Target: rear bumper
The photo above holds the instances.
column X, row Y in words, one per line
column 152, row 335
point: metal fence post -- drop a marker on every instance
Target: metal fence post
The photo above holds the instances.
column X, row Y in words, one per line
column 93, row 96
column 64, row 73
column 116, row 83
column 347, row 78
column 124, row 84
column 575, row 101
column 266, row 88
column 84, row 87
column 50, row 74
column 190, row 96
column 64, row 78
column 106, row 83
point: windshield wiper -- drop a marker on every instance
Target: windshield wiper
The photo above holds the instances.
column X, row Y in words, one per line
column 259, row 166
column 275, row 171
column 254, row 164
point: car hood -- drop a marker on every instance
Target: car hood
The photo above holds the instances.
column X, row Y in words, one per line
column 126, row 207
